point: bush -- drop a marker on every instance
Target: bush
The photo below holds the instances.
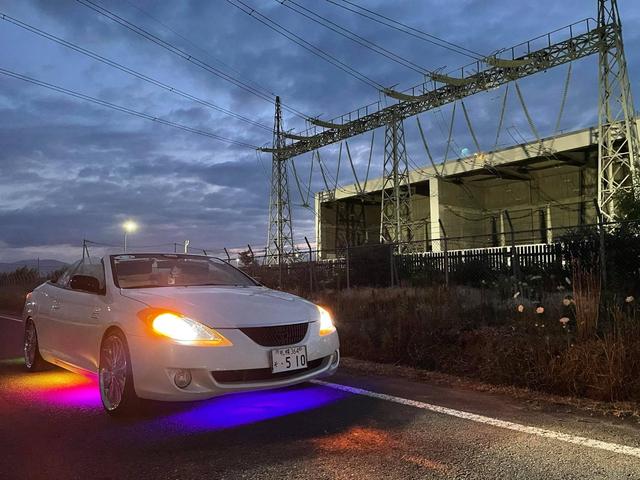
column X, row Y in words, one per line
column 12, row 298
column 477, row 333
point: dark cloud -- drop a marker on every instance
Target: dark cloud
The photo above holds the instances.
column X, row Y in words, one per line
column 73, row 170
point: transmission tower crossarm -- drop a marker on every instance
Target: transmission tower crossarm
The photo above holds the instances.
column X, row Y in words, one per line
column 553, row 55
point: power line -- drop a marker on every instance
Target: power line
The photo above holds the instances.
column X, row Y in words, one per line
column 345, row 32
column 275, row 26
column 181, row 53
column 414, row 32
column 194, row 45
column 129, row 71
column 120, row 108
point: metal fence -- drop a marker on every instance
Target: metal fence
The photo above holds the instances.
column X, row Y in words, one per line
column 440, row 261
column 387, row 265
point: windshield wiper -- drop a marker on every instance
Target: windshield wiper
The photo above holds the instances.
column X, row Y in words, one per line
column 143, row 286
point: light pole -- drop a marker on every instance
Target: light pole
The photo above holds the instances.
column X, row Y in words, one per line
column 129, row 227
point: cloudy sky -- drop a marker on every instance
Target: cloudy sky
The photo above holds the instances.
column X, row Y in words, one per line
column 74, row 170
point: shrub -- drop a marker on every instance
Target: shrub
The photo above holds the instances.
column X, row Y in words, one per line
column 478, row 333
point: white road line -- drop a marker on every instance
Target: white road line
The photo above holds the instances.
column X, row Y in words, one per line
column 541, row 432
column 4, row 317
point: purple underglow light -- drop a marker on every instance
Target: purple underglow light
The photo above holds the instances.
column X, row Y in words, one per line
column 244, row 408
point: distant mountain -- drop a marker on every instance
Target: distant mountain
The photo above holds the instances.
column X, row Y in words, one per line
column 46, row 265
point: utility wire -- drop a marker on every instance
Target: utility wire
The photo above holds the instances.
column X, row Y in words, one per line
column 414, row 32
column 276, row 27
column 181, row 53
column 345, row 32
column 120, row 108
column 194, row 45
column 129, row 71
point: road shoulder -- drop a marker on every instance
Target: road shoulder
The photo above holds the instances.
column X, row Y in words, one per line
column 534, row 400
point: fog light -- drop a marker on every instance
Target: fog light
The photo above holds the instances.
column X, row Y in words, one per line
column 182, row 378
column 335, row 358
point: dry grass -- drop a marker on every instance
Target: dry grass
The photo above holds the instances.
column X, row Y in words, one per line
column 479, row 335
column 586, row 291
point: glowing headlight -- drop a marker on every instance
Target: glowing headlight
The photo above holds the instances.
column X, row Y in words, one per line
column 185, row 329
column 326, row 322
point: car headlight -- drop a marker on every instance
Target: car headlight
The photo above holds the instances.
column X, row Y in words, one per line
column 326, row 322
column 184, row 329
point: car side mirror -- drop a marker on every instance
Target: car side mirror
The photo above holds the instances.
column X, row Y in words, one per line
column 85, row 283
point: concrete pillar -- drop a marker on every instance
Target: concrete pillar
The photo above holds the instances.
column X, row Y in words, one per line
column 549, row 225
column 434, row 214
column 318, row 208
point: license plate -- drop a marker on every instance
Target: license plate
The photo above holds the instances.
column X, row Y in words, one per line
column 290, row 358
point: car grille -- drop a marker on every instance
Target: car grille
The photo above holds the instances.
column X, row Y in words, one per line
column 259, row 374
column 277, row 336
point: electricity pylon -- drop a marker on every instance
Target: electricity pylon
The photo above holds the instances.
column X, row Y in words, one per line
column 618, row 149
column 618, row 153
column 280, row 248
column 395, row 212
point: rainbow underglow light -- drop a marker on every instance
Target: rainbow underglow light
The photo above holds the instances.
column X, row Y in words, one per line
column 61, row 388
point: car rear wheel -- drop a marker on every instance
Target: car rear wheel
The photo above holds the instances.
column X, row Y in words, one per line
column 115, row 378
column 32, row 358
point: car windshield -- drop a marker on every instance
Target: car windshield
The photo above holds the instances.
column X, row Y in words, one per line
column 174, row 270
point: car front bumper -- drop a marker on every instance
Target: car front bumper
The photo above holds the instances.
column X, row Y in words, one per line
column 244, row 366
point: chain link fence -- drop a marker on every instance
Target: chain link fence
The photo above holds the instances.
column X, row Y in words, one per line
column 611, row 249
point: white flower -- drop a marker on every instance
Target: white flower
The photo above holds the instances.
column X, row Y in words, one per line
column 629, row 299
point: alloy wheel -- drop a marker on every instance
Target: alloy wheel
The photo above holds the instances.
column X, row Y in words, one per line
column 113, row 371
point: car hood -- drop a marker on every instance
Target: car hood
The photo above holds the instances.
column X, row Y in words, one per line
column 229, row 307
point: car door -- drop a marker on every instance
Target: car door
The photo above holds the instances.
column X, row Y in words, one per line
column 49, row 313
column 42, row 318
column 81, row 317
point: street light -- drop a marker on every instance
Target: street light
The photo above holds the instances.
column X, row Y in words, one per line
column 129, row 227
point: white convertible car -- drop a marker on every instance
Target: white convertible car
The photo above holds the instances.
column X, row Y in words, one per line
column 175, row 327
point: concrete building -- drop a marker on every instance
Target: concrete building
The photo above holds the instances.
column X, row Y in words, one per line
column 545, row 188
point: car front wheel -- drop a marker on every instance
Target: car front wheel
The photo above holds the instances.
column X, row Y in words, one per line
column 32, row 358
column 115, row 378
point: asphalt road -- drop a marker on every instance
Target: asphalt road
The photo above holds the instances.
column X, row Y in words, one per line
column 52, row 426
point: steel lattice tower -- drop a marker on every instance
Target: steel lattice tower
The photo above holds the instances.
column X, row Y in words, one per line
column 618, row 153
column 395, row 216
column 280, row 247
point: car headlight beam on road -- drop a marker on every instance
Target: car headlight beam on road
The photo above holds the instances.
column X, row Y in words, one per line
column 326, row 322
column 184, row 329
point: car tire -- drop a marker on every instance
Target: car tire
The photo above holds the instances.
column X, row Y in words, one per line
column 33, row 361
column 115, row 377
